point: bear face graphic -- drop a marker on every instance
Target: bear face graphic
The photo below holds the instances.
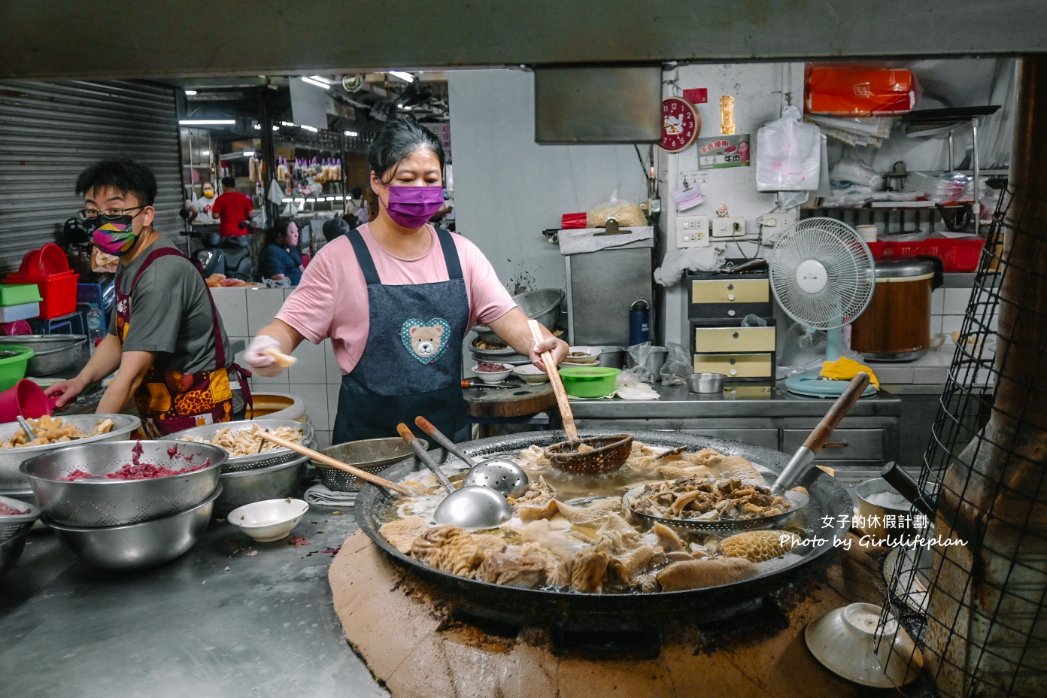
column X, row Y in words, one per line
column 426, row 340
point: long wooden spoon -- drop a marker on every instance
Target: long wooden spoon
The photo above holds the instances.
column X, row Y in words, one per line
column 337, row 464
column 554, row 378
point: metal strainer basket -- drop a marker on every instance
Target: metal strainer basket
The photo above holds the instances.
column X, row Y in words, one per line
column 371, row 455
column 13, row 525
column 270, row 453
column 98, row 501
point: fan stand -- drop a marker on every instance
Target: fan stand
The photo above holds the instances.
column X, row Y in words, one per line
column 811, row 384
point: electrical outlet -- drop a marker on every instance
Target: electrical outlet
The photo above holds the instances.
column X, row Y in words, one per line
column 728, row 228
column 692, row 231
column 787, row 218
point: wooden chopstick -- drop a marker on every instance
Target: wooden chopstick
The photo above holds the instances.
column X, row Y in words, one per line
column 558, row 390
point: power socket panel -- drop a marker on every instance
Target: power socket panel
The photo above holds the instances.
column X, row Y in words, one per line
column 728, row 228
column 692, row 231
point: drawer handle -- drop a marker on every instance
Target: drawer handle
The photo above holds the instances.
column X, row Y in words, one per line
column 730, row 287
column 835, row 444
column 730, row 296
column 735, row 335
column 731, row 313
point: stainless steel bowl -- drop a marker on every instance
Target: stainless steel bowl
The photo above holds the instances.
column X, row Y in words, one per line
column 270, row 482
column 13, row 530
column 611, row 357
column 103, row 502
column 54, row 353
column 142, row 544
column 371, row 455
column 542, row 305
column 706, row 382
column 11, row 458
column 255, row 460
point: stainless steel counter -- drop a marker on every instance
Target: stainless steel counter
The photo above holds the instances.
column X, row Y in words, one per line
column 675, row 402
column 230, row 618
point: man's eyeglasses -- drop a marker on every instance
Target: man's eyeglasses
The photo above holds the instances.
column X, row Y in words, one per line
column 90, row 214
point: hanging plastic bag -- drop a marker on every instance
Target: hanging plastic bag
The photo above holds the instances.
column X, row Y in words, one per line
column 788, row 154
column 677, row 366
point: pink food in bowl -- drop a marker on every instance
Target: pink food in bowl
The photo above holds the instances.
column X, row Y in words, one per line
column 11, row 511
column 486, row 367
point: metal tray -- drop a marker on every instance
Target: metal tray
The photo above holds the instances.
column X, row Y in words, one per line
column 258, row 460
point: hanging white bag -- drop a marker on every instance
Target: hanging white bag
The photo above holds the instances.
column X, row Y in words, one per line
column 788, row 154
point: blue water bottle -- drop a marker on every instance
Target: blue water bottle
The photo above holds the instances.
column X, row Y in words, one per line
column 639, row 322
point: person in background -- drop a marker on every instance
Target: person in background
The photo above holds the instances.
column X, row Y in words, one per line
column 200, row 207
column 397, row 297
column 335, row 227
column 280, row 258
column 166, row 342
column 233, row 211
column 356, row 205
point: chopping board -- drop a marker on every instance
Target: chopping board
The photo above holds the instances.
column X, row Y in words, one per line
column 525, row 399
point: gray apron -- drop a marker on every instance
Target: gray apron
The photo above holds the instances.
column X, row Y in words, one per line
column 412, row 362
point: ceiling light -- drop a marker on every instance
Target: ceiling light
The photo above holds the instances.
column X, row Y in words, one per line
column 257, row 127
column 311, row 129
column 405, row 76
column 289, row 124
column 248, row 153
column 352, row 134
column 190, row 93
column 207, row 122
column 315, row 83
column 276, row 128
column 320, row 78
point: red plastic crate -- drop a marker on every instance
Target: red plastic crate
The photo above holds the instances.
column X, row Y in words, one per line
column 48, row 268
column 957, row 254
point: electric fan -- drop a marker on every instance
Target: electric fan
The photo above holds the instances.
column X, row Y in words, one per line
column 822, row 275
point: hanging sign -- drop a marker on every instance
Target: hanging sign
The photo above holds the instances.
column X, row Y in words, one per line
column 723, row 151
column 681, row 124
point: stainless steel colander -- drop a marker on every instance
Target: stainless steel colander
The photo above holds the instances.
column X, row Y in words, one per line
column 268, row 457
column 99, row 501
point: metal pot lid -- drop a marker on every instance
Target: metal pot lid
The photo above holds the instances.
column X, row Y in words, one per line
column 902, row 268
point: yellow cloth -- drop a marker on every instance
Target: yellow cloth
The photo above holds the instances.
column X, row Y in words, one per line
column 844, row 369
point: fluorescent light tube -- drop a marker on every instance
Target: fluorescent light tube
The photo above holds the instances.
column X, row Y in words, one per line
column 351, row 133
column 207, row 122
column 315, row 83
column 190, row 93
column 403, row 75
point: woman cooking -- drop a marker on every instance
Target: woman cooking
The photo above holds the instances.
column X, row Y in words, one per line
column 397, row 296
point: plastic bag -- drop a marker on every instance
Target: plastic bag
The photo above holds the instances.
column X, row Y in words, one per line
column 628, row 385
column 627, row 213
column 638, row 355
column 788, row 154
column 677, row 367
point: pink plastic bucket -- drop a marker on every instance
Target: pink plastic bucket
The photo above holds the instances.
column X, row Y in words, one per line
column 25, row 399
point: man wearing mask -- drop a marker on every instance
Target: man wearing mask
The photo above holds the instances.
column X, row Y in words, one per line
column 233, row 210
column 166, row 341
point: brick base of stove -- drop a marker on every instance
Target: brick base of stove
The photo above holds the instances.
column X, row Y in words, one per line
column 415, row 645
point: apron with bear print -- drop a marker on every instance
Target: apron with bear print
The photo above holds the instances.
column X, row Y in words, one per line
column 411, row 364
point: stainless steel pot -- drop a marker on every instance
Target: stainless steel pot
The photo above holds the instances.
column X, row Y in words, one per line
column 706, row 382
column 270, row 482
column 54, row 353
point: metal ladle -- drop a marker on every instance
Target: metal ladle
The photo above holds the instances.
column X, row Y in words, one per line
column 499, row 474
column 29, row 433
column 470, row 507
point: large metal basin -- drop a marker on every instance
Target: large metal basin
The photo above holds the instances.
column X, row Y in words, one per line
column 269, row 482
column 97, row 502
column 566, row 609
column 11, row 479
column 256, row 460
column 53, row 353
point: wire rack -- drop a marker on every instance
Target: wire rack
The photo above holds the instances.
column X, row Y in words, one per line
column 976, row 609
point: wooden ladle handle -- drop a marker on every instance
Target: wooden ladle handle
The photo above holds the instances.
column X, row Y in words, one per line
column 554, row 378
column 337, row 464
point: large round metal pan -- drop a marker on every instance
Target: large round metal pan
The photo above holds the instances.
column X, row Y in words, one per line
column 825, row 518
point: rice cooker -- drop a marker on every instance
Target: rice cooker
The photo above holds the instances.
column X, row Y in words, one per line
column 897, row 324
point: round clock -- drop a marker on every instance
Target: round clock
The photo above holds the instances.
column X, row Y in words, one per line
column 681, row 124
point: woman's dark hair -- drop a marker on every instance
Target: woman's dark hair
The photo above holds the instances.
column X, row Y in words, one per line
column 398, row 139
column 278, row 231
column 126, row 175
column 228, row 182
column 356, row 192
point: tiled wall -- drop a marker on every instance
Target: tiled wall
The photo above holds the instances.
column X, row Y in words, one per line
column 315, row 378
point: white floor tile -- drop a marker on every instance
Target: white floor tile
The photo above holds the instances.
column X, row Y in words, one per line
column 937, row 301
column 956, row 301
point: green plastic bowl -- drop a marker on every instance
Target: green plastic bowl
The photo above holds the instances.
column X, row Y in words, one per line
column 588, row 381
column 13, row 362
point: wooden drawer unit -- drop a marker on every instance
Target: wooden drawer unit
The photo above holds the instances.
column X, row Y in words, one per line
column 728, row 297
column 733, row 340
column 843, row 444
column 736, row 365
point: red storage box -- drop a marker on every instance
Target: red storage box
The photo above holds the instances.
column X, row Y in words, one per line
column 570, row 221
column 957, row 254
column 48, row 268
column 851, row 90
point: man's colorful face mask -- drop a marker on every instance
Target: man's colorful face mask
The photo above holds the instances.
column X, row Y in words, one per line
column 115, row 236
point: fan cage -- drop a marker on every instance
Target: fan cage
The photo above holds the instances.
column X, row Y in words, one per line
column 849, row 267
column 996, row 643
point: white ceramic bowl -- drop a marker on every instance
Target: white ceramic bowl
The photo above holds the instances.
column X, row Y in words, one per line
column 269, row 520
column 493, row 376
column 530, row 373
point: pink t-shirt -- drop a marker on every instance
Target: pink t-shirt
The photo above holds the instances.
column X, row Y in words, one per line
column 331, row 299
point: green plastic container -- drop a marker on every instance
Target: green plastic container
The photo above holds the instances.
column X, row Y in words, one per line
column 13, row 362
column 19, row 294
column 589, row 381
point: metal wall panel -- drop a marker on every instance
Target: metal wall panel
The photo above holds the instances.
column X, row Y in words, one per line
column 53, row 130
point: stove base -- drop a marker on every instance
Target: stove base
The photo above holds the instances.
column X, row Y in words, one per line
column 417, row 646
